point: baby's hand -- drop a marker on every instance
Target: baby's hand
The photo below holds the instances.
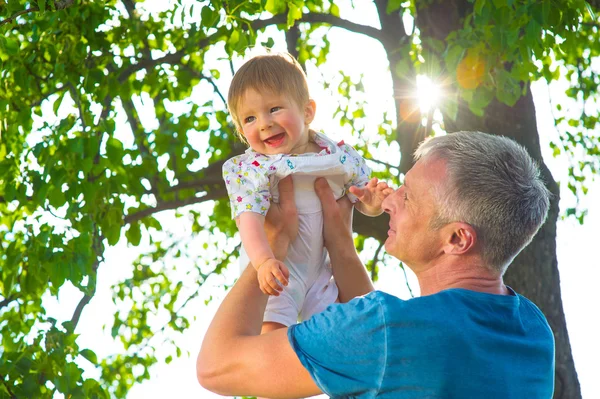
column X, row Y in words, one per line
column 269, row 273
column 371, row 196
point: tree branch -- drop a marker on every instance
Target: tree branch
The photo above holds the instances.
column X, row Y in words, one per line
column 97, row 246
column 337, row 22
column 198, row 184
column 389, row 166
column 19, row 13
column 58, row 5
column 41, row 100
column 200, row 75
column 6, row 301
column 77, row 99
column 10, row 392
column 213, row 195
column 175, row 58
column 82, row 304
column 374, row 262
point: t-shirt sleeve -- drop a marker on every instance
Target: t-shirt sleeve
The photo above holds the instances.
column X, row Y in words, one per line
column 361, row 173
column 247, row 185
column 344, row 347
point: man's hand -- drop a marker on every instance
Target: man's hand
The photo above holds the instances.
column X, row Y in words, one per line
column 281, row 223
column 273, row 275
column 350, row 274
column 371, row 196
column 337, row 218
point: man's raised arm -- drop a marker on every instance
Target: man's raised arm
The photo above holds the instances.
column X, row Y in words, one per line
column 235, row 359
column 350, row 274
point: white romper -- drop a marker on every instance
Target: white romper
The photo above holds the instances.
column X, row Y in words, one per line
column 251, row 180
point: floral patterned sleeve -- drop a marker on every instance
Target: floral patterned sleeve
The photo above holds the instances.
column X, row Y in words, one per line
column 361, row 173
column 247, row 184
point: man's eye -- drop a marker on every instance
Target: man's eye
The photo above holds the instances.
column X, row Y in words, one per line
column 249, row 119
column 405, row 197
column 275, row 109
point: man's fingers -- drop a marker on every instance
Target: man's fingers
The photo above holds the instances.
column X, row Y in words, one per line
column 286, row 192
column 324, row 193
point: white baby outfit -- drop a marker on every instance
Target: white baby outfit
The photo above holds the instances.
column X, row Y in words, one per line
column 251, row 180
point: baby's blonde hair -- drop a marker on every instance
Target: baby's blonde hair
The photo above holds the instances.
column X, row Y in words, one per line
column 278, row 73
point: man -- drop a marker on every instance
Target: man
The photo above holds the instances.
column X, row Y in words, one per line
column 466, row 209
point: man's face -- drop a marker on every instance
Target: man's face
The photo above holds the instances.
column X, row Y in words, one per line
column 411, row 209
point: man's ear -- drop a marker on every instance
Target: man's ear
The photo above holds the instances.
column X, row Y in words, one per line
column 460, row 238
column 310, row 109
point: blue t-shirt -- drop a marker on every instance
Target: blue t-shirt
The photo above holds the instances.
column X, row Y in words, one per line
column 454, row 344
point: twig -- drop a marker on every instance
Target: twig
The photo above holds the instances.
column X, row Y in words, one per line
column 175, row 58
column 77, row 99
column 19, row 13
column 210, row 80
column 92, row 278
column 174, row 204
column 10, row 392
column 406, row 279
column 374, row 262
column 6, row 301
column 380, row 162
column 59, row 5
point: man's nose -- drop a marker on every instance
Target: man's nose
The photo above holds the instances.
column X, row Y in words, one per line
column 387, row 203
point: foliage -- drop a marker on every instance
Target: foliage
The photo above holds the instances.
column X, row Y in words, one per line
column 112, row 112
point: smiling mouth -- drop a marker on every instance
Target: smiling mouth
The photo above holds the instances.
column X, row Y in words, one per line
column 275, row 141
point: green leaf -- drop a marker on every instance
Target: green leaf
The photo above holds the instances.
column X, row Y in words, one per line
column 11, row 46
column 114, row 151
column 58, row 102
column 334, row 10
column 453, row 56
column 590, row 10
column 294, row 13
column 42, row 5
column 403, row 68
column 56, row 197
column 541, row 11
column 275, row 6
column 393, row 5
column 89, row 355
column 134, row 234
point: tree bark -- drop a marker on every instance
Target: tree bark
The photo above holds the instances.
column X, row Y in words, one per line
column 534, row 273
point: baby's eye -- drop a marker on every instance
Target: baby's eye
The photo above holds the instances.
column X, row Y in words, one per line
column 275, row 109
column 249, row 119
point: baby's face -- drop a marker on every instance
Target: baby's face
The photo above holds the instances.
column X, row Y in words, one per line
column 273, row 123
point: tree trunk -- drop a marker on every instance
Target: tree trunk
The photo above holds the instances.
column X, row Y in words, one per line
column 534, row 273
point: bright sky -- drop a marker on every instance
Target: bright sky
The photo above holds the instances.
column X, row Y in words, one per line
column 577, row 265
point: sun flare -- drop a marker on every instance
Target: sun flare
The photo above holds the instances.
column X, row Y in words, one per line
column 428, row 93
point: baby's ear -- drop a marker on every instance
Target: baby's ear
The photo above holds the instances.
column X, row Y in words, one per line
column 309, row 111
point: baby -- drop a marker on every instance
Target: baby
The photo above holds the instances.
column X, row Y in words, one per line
column 271, row 108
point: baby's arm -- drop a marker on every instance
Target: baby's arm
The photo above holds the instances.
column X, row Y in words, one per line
column 252, row 231
column 371, row 196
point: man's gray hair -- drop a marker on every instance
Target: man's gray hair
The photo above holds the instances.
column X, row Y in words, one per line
column 493, row 185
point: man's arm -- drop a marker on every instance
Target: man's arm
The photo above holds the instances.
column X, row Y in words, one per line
column 235, row 359
column 350, row 274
